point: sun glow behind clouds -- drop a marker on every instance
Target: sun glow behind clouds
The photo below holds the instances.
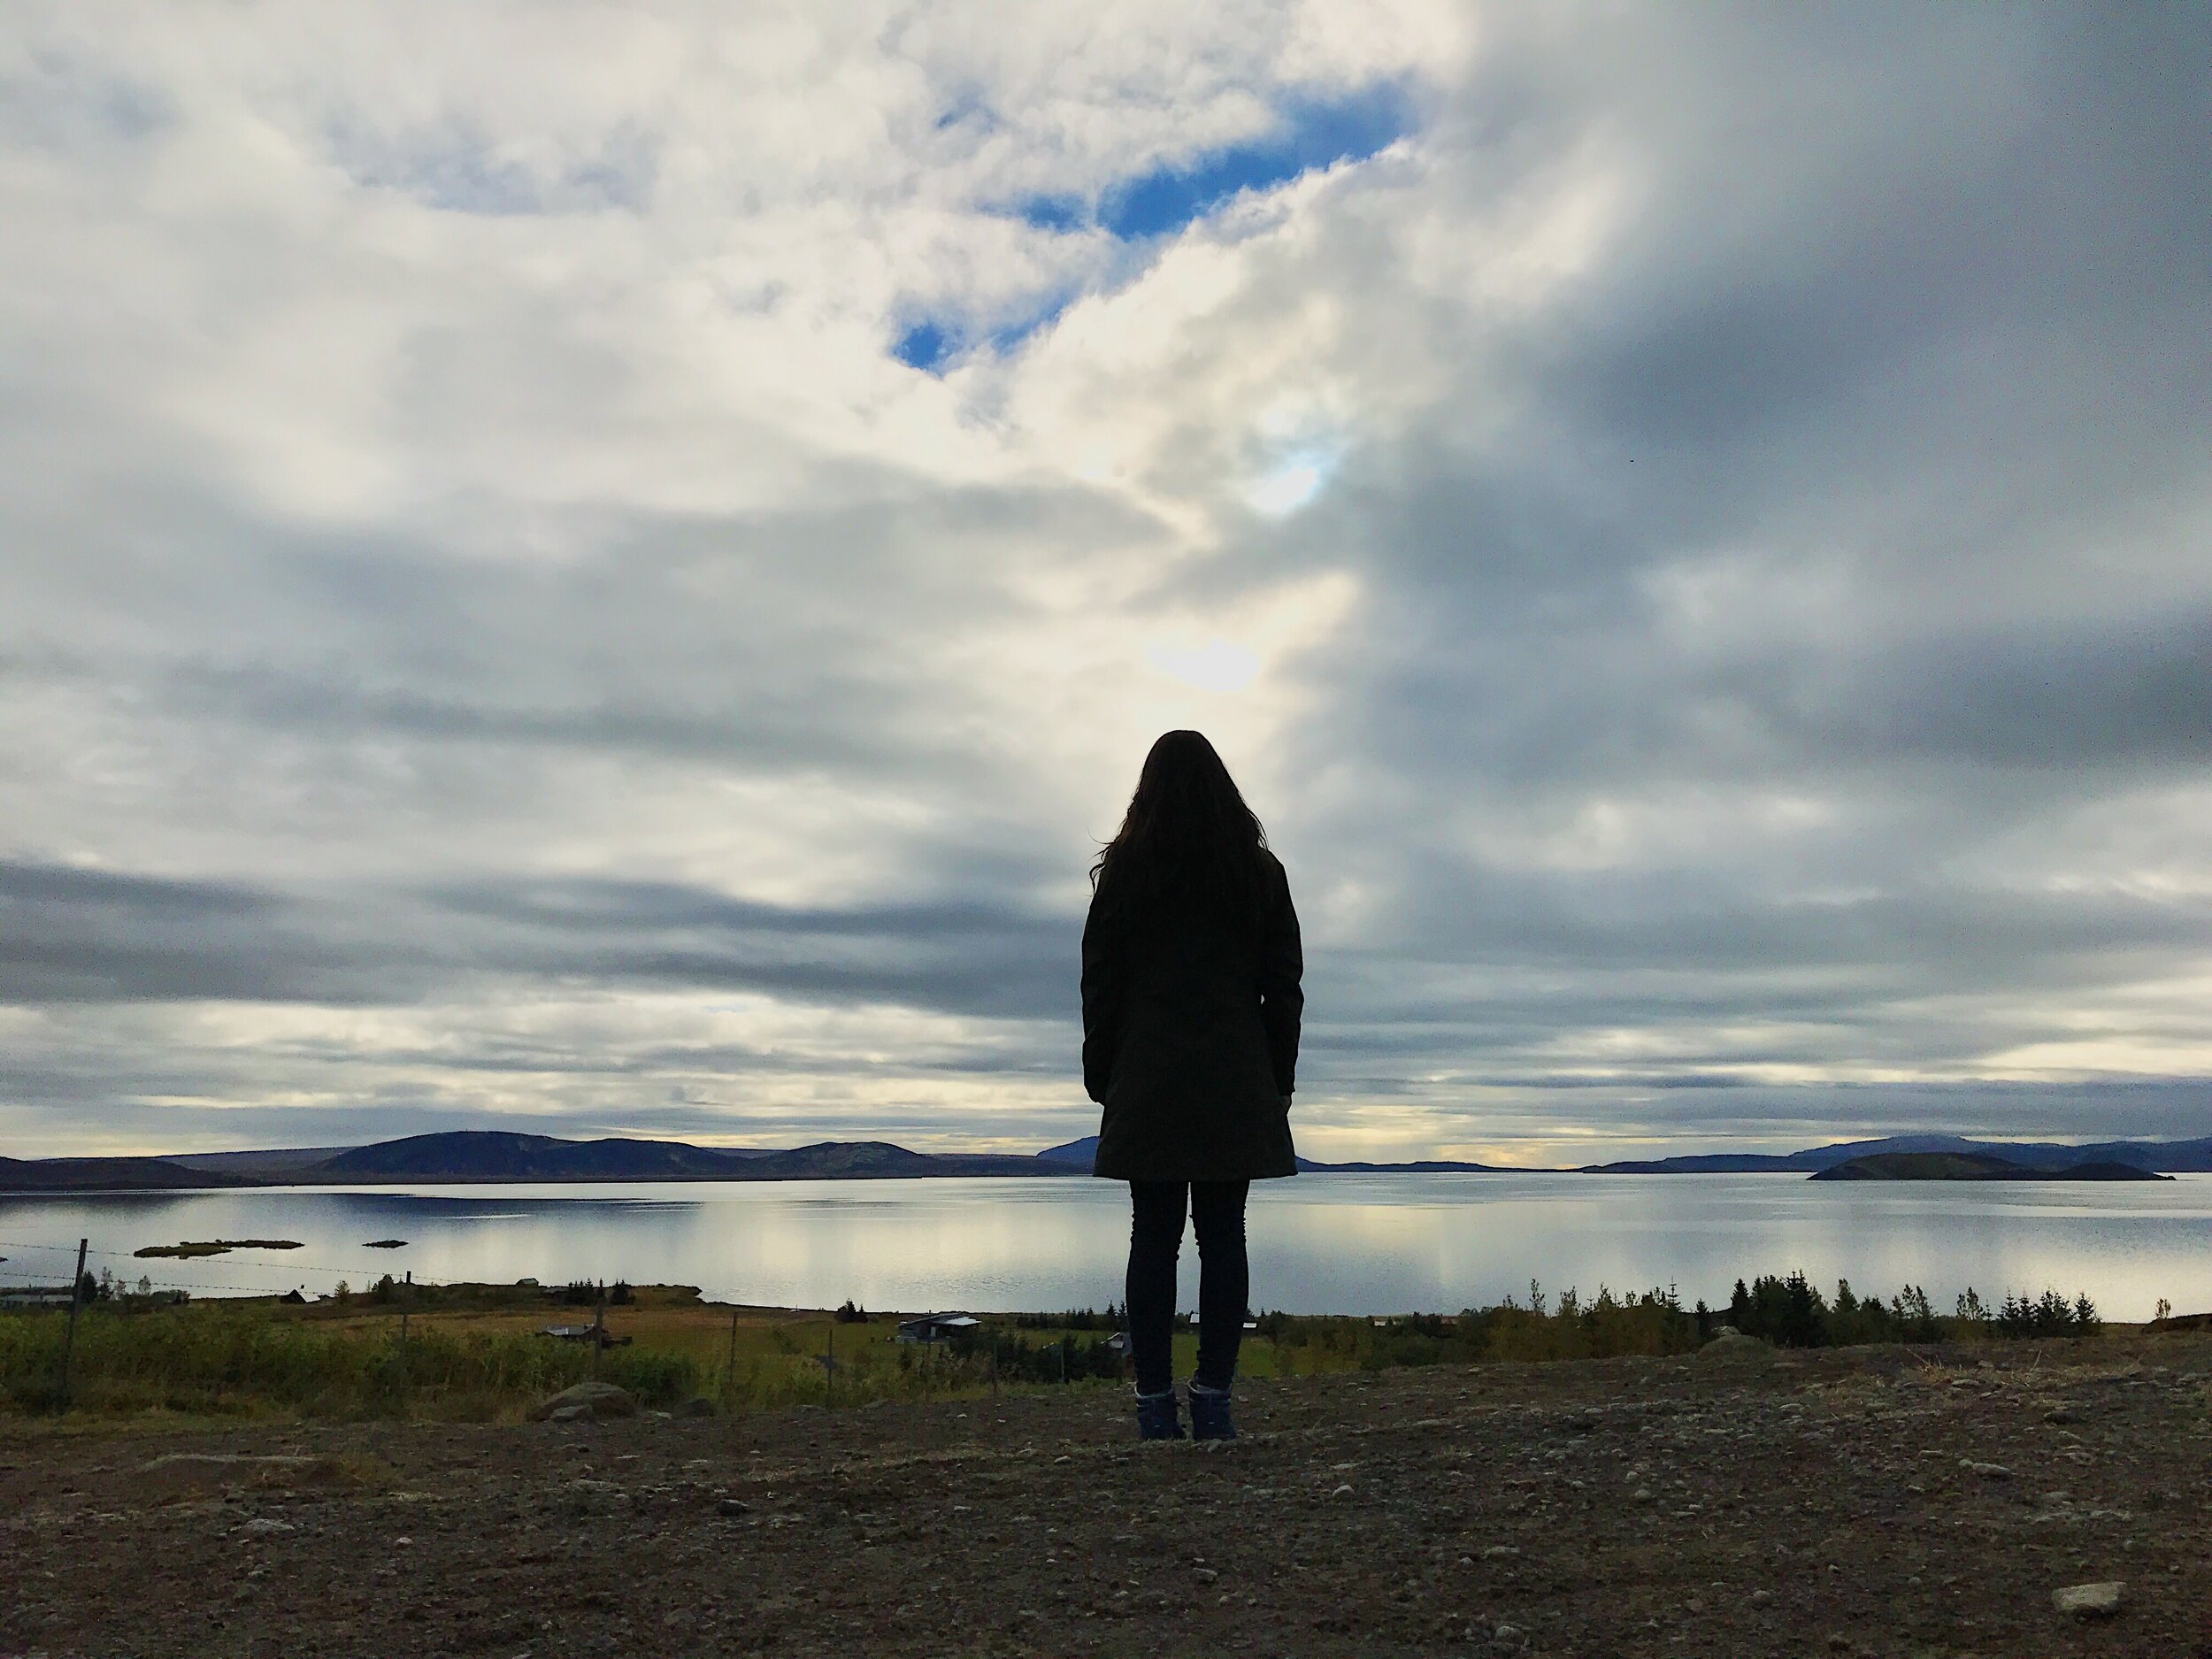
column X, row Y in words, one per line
column 1293, row 482
column 1264, row 636
column 1218, row 665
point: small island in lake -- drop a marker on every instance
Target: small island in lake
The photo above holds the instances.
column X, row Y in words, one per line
column 217, row 1247
column 1973, row 1167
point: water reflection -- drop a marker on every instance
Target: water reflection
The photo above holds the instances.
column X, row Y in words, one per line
column 1343, row 1243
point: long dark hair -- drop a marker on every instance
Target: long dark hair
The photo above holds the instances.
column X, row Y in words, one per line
column 1187, row 838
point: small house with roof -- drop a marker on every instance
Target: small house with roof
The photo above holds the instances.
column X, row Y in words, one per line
column 938, row 1327
column 37, row 1296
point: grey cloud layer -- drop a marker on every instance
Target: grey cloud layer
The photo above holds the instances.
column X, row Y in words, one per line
column 84, row 936
column 1867, row 470
column 1779, row 692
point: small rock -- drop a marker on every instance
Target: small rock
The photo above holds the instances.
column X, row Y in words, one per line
column 1642, row 1494
column 1342, row 1492
column 2090, row 1600
column 575, row 1413
column 734, row 1506
column 1987, row 1472
column 1762, row 1598
column 1498, row 1552
column 1694, row 1605
column 263, row 1525
column 1204, row 1575
column 2061, row 1415
column 599, row 1399
column 1509, row 1636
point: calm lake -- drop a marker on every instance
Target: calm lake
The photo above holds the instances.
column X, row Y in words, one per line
column 1320, row 1243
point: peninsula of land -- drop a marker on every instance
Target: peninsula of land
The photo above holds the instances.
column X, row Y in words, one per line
column 1963, row 1166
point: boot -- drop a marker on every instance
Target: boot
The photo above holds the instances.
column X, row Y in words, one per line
column 1210, row 1414
column 1157, row 1417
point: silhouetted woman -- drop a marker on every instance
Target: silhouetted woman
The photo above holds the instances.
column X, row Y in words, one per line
column 1191, row 963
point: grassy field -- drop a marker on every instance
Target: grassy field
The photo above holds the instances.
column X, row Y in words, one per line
column 474, row 1353
column 478, row 1351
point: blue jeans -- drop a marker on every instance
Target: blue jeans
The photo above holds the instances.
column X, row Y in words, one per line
column 1156, row 1238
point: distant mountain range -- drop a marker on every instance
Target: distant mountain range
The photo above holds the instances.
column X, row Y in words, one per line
column 2035, row 1154
column 491, row 1156
column 472, row 1155
column 485, row 1155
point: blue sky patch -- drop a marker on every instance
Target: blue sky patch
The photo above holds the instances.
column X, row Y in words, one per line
column 1054, row 212
column 1311, row 133
column 925, row 346
column 931, row 344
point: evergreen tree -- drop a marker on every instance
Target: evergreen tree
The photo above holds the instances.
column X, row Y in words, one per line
column 1739, row 1312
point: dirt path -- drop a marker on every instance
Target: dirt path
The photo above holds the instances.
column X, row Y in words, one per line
column 1855, row 1503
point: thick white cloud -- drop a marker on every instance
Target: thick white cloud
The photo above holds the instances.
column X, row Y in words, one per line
column 1696, row 549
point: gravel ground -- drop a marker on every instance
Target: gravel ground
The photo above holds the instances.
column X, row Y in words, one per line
column 1874, row 1502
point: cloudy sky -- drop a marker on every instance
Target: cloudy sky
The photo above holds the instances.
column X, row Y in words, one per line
column 606, row 569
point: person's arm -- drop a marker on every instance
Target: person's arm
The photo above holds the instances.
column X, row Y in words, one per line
column 1282, row 1002
column 1103, row 970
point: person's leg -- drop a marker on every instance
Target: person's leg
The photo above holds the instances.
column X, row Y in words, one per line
column 1156, row 1238
column 1225, row 1279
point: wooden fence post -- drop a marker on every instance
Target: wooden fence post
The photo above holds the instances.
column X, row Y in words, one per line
column 69, row 1338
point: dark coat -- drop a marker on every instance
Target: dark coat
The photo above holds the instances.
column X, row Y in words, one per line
column 1190, row 1038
